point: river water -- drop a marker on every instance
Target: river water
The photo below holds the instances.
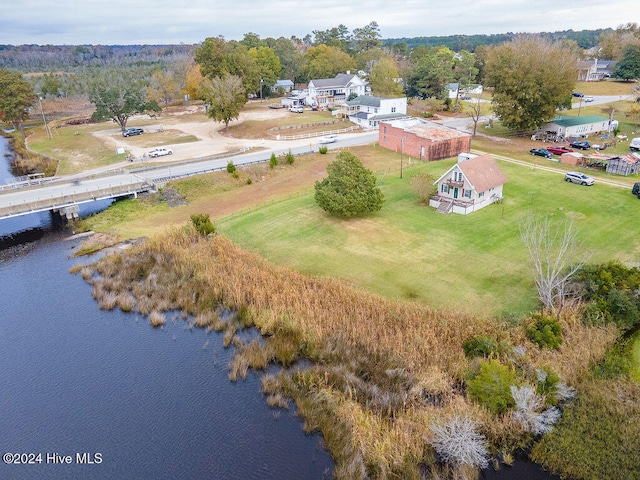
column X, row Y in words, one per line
column 153, row 403
column 140, row 403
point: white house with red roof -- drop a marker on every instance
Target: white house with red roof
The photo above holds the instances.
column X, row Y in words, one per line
column 471, row 184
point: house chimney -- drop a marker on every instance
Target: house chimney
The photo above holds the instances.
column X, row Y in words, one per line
column 348, row 72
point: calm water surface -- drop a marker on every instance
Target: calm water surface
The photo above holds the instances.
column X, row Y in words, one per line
column 154, row 403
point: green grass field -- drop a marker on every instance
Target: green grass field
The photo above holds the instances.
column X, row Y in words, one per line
column 473, row 263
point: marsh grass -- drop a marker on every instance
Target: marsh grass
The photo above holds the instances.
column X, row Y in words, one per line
column 157, row 319
column 382, row 369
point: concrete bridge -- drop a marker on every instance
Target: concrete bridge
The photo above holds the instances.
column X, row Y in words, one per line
column 64, row 195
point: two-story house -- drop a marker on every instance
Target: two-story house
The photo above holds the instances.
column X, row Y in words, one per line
column 471, row 184
column 326, row 92
column 368, row 111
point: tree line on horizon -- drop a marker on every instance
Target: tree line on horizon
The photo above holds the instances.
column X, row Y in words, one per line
column 224, row 74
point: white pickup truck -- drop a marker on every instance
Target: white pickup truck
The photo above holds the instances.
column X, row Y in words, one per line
column 160, row 152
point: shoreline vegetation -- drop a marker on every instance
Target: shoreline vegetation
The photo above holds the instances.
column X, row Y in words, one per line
column 385, row 375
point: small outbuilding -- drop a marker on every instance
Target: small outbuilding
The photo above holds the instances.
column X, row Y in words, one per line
column 422, row 139
column 471, row 184
column 624, row 164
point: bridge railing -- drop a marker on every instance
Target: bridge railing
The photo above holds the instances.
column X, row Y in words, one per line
column 53, row 202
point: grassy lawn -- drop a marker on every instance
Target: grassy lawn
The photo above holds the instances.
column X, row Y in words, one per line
column 475, row 263
column 607, row 87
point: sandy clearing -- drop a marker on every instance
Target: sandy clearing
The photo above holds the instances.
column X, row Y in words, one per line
column 211, row 141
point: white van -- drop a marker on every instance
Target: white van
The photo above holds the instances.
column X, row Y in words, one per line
column 635, row 144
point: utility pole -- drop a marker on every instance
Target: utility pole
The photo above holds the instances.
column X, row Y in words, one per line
column 46, row 127
column 401, row 154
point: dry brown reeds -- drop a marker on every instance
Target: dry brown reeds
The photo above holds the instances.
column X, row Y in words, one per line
column 156, row 319
column 383, row 368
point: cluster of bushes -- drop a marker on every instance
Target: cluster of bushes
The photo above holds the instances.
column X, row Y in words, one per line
column 612, row 291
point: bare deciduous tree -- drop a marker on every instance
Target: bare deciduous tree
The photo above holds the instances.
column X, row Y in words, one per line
column 529, row 411
column 553, row 247
column 474, row 112
column 424, row 185
column 457, row 442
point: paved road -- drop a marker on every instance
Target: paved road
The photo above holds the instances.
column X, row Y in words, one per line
column 63, row 191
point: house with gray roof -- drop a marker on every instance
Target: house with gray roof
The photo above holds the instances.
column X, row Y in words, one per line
column 326, row 92
column 282, row 86
column 368, row 111
column 594, row 70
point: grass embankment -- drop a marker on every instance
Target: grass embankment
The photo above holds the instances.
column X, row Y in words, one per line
column 384, row 370
column 475, row 262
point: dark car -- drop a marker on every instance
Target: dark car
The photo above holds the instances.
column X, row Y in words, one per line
column 541, row 152
column 130, row 132
column 577, row 94
column 636, row 189
column 580, row 145
column 559, row 150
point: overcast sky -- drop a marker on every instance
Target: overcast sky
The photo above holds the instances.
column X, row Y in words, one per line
column 109, row 22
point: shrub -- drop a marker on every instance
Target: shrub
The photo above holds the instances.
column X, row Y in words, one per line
column 273, row 161
column 323, row 149
column 231, row 168
column 481, row 346
column 349, row 189
column 202, row 224
column 249, row 181
column 491, row 387
column 235, row 175
column 545, row 332
column 547, row 384
column 457, row 442
column 612, row 290
column 289, row 158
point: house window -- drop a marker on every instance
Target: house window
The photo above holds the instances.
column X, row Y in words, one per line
column 384, row 140
column 393, row 109
column 385, row 129
column 466, row 193
column 445, row 188
column 481, row 194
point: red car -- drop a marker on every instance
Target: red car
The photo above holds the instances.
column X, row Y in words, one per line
column 559, row 150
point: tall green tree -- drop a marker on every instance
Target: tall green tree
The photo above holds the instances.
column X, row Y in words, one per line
column 366, row 38
column 118, row 95
column 464, row 69
column 628, row 68
column 432, row 72
column 16, row 99
column 337, row 37
column 289, row 56
column 218, row 58
column 384, row 79
column 225, row 96
column 531, row 78
column 325, row 62
column 268, row 64
column 349, row 189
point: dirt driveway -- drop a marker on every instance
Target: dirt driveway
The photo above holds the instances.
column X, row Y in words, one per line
column 210, row 141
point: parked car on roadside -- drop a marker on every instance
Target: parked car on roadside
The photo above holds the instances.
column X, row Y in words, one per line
column 541, row 152
column 580, row 145
column 130, row 132
column 588, row 98
column 577, row 177
column 559, row 150
column 160, row 152
column 577, row 94
column 296, row 109
column 636, row 189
